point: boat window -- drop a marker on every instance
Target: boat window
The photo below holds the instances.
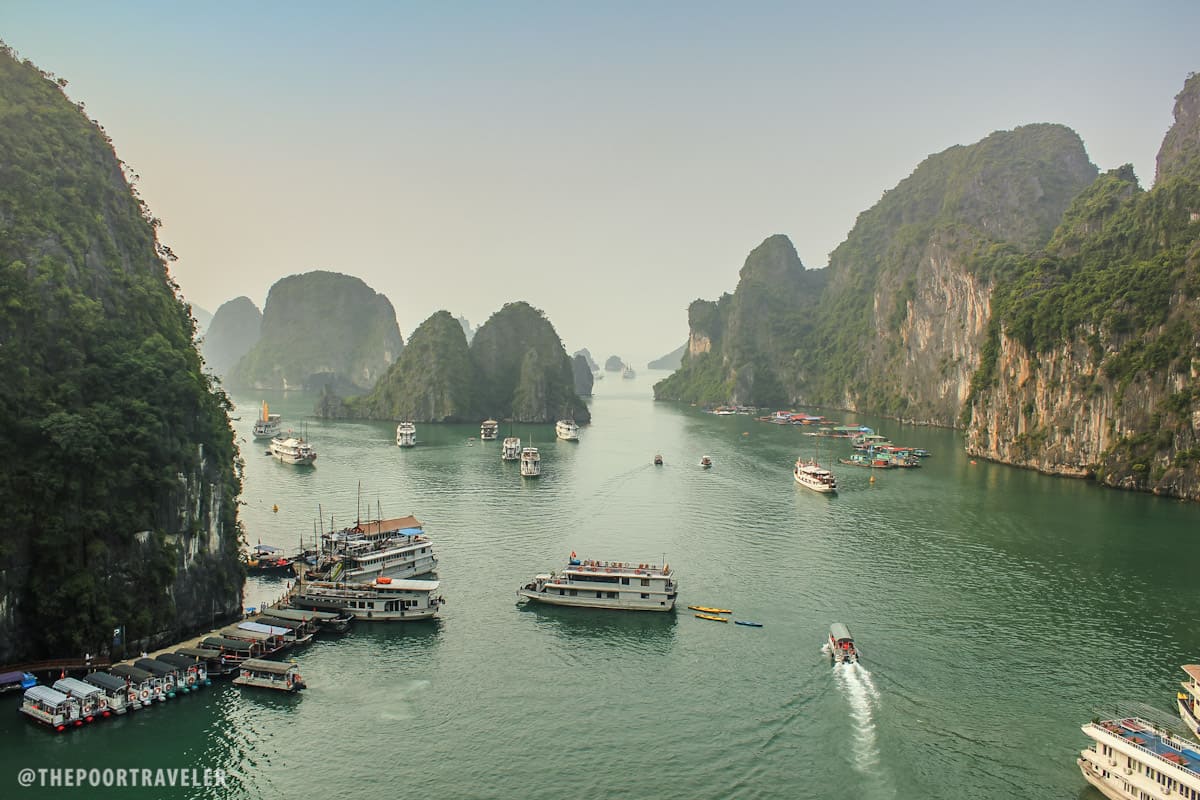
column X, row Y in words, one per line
column 574, row 593
column 625, row 581
column 613, row 594
column 645, row 596
column 562, row 591
column 645, row 581
column 599, row 595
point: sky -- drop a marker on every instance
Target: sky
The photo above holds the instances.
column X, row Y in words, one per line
column 608, row 162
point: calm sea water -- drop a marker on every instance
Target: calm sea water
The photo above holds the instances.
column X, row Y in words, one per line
column 996, row 610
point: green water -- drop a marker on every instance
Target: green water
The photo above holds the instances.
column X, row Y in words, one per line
column 995, row 609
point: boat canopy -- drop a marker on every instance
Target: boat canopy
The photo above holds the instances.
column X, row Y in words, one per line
column 131, row 672
column 840, row 633
column 262, row 665
column 156, row 667
column 245, row 634
column 14, row 679
column 1193, row 671
column 270, row 630
column 76, row 687
column 266, row 548
column 297, row 615
column 177, row 661
column 110, row 683
column 194, row 653
column 225, row 643
column 275, row 622
column 46, row 695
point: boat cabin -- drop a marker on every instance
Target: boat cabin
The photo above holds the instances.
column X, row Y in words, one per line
column 51, row 707
column 116, row 691
column 233, row 651
column 144, row 687
column 842, row 644
column 270, row 675
column 270, row 644
column 302, row 632
column 279, row 638
column 93, row 704
column 189, row 670
column 209, row 662
column 166, row 673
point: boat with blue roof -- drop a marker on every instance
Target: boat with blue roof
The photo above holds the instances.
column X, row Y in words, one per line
column 1139, row 755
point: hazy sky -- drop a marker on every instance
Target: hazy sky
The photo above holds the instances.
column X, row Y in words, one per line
column 609, row 162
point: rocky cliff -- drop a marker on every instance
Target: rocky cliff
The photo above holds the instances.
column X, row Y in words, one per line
column 434, row 380
column 321, row 328
column 583, row 376
column 233, row 332
column 120, row 502
column 1092, row 364
column 895, row 323
column 671, row 360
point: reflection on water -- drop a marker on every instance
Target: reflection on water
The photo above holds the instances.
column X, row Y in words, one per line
column 641, row 631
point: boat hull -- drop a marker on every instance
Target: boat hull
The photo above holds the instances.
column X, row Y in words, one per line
column 1189, row 719
column 1106, row 789
column 819, row 488
column 592, row 602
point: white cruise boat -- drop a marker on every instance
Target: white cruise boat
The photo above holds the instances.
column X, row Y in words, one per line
column 627, row 373
column 619, row 585
column 531, row 463
column 1188, row 701
column 406, row 435
column 815, row 477
column 1133, row 758
column 268, row 425
column 510, row 449
column 489, row 430
column 395, row 547
column 386, row 599
column 567, row 430
column 293, row 450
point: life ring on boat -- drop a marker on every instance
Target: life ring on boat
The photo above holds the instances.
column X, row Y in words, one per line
column 191, row 679
column 245, row 673
column 145, row 694
column 383, row 579
column 103, row 702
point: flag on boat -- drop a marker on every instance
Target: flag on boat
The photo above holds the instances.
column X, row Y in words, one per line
column 572, row 554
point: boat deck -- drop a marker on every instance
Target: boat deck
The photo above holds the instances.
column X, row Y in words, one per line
column 1137, row 732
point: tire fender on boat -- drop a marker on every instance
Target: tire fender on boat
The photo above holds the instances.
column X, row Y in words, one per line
column 145, row 693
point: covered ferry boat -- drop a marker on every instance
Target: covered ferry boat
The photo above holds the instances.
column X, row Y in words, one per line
column 144, row 686
column 93, row 702
column 1135, row 757
column 387, row 599
column 489, row 429
column 841, row 644
column 269, row 675
column 406, row 435
column 193, row 672
column 618, row 585
column 567, row 430
column 116, row 692
column 268, row 425
column 813, row 476
column 51, row 708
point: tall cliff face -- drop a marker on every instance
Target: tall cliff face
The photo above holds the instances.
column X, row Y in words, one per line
column 583, row 375
column 527, row 374
column 1092, row 365
column 895, row 322
column 233, row 332
column 321, row 328
column 434, row 380
column 121, row 509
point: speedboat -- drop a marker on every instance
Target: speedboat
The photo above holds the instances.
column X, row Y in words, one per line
column 658, row 460
column 706, row 462
column 842, row 644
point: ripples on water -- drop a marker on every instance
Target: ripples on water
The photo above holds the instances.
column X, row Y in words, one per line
column 994, row 608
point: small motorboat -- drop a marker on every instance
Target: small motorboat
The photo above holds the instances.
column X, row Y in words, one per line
column 842, row 644
column 713, row 617
column 706, row 462
column 711, row 610
column 658, row 460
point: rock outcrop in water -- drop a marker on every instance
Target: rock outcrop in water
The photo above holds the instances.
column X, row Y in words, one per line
column 321, row 328
column 614, row 364
column 234, row 331
column 515, row 368
column 672, row 360
column 587, row 357
column 1004, row 287
column 120, row 493
column 583, row 376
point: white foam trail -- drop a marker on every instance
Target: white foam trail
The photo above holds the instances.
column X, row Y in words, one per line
column 861, row 693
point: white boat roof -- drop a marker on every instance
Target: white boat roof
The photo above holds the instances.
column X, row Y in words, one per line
column 76, row 685
column 46, row 695
column 592, row 567
column 407, row 585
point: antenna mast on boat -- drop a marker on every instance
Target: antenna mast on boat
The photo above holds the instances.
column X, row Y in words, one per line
column 358, row 506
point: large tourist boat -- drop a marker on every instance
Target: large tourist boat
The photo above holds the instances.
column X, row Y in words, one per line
column 268, row 425
column 567, row 430
column 293, row 450
column 510, row 449
column 51, row 707
column 396, row 547
column 385, row 599
column 531, row 463
column 406, row 435
column 841, row 645
column 1135, row 758
column 489, row 429
column 622, row 585
column 1188, row 701
column 269, row 675
column 810, row 475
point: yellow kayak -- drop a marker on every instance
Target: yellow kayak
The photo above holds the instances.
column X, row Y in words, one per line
column 713, row 618
column 711, row 610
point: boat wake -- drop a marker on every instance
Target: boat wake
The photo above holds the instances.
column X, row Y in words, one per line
column 860, row 692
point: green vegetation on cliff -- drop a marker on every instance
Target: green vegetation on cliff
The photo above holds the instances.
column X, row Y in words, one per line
column 317, row 328
column 120, row 446
column 434, row 380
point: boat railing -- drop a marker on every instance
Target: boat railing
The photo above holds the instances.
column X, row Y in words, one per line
column 1147, row 729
